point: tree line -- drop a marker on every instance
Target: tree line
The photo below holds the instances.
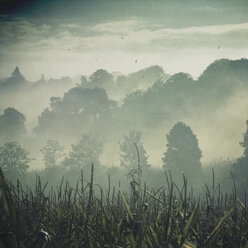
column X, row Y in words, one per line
column 182, row 156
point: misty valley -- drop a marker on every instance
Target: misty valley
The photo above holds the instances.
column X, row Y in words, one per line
column 145, row 159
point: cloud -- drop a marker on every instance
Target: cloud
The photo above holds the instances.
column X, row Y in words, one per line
column 122, row 35
column 118, row 27
column 13, row 32
column 124, row 40
column 136, row 35
column 69, row 25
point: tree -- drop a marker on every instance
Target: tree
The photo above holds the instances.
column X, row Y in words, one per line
column 90, row 109
column 52, row 152
column 14, row 159
column 102, row 79
column 180, row 78
column 86, row 151
column 132, row 149
column 183, row 153
column 13, row 85
column 244, row 143
column 54, row 101
column 17, row 74
column 12, row 125
column 240, row 167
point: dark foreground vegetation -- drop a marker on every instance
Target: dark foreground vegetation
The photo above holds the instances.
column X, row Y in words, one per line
column 89, row 216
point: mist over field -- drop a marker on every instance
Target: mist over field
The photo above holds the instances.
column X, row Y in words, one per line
column 149, row 100
column 123, row 123
column 110, row 82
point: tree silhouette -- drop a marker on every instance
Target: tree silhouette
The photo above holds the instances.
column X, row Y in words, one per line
column 13, row 159
column 129, row 156
column 100, row 79
column 13, row 84
column 86, row 108
column 180, row 78
column 12, row 125
column 183, row 153
column 52, row 152
column 17, row 74
column 86, row 151
column 54, row 101
column 240, row 167
column 244, row 143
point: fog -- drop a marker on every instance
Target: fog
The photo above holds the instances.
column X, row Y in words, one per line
column 217, row 118
column 125, row 83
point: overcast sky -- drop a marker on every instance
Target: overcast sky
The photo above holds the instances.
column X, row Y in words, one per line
column 60, row 38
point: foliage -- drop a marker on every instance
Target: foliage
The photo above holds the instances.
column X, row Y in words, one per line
column 130, row 157
column 244, row 143
column 183, row 153
column 13, row 83
column 54, row 102
column 86, row 151
column 146, row 99
column 16, row 73
column 224, row 68
column 79, row 217
column 52, row 152
column 80, row 108
column 12, row 125
column 102, row 79
column 240, row 167
column 13, row 159
column 180, row 78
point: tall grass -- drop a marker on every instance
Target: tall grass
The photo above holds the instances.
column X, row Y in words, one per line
column 88, row 216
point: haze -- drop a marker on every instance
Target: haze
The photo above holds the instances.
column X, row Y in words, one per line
column 130, row 49
column 68, row 38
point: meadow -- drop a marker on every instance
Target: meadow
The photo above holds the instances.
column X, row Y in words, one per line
column 89, row 216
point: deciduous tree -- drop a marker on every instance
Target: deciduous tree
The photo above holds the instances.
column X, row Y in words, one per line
column 183, row 153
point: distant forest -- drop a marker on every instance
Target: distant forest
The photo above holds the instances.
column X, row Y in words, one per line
column 118, row 122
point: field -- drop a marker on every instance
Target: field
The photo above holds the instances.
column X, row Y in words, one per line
column 89, row 216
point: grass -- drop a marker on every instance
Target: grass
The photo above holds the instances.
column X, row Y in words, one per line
column 88, row 216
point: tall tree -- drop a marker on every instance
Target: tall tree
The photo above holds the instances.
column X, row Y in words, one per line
column 14, row 160
column 133, row 152
column 86, row 108
column 86, row 151
column 183, row 153
column 12, row 125
column 52, row 152
column 244, row 143
column 17, row 74
column 240, row 167
column 101, row 79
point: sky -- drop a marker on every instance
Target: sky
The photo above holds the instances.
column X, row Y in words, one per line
column 69, row 38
